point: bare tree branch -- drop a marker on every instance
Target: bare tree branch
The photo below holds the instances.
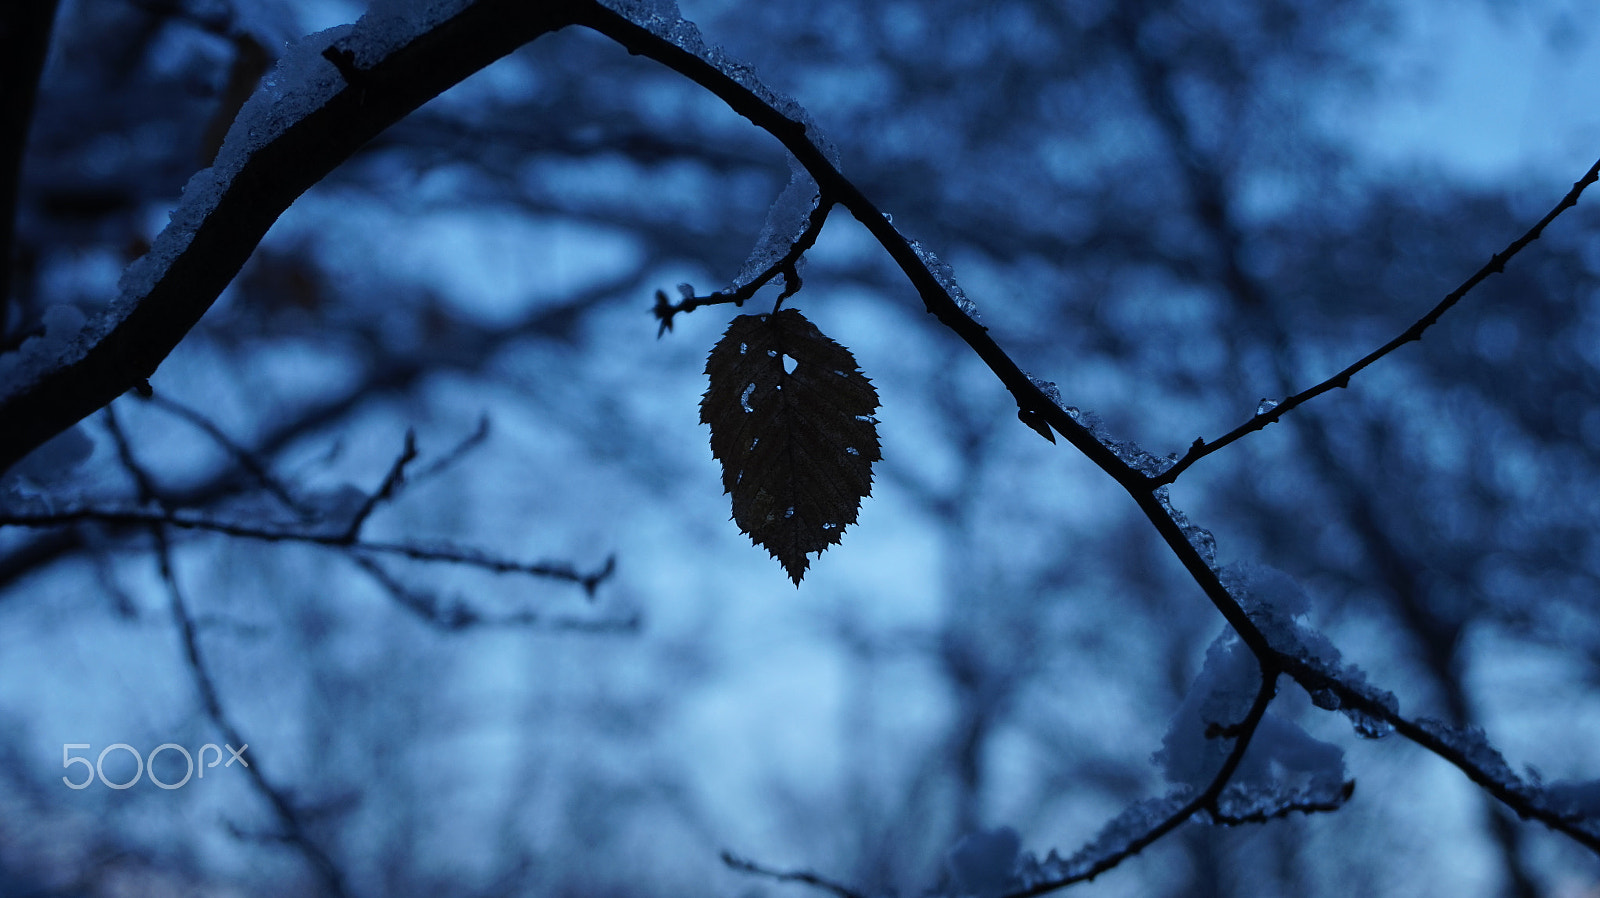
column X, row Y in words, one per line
column 1496, row 264
column 292, row 829
column 144, row 328
column 437, row 552
column 734, row 862
column 455, row 614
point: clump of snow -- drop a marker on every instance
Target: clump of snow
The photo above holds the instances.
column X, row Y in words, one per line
column 1274, row 602
column 1474, row 748
column 299, row 85
column 662, row 18
column 62, row 323
column 1283, row 765
column 1220, row 696
column 1199, row 537
column 787, row 220
column 67, row 335
column 1132, row 454
column 389, row 25
column 53, row 463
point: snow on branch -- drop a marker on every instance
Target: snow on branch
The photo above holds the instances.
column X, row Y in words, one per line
column 331, row 93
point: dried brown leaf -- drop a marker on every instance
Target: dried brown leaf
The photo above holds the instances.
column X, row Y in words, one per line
column 791, row 421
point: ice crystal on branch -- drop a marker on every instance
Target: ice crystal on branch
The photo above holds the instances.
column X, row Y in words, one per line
column 946, row 276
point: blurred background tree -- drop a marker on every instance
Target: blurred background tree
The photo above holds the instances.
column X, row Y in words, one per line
column 1172, row 210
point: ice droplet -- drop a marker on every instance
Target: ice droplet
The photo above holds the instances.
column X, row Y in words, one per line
column 1367, row 726
column 1047, row 387
column 1265, row 406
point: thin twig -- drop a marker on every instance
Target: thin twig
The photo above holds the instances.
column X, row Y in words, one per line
column 441, row 552
column 1205, row 801
column 386, row 490
column 734, row 862
column 448, row 460
column 254, row 466
column 1496, row 264
column 457, row 615
column 787, row 265
column 293, row 832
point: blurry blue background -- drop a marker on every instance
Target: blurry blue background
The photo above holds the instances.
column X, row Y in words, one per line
column 1170, row 209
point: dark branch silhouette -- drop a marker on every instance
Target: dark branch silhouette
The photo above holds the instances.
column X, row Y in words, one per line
column 1496, row 264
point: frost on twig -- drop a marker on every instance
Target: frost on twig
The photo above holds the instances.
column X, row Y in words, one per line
column 1120, row 838
column 301, row 83
column 1130, row 453
column 1472, row 747
column 946, row 276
